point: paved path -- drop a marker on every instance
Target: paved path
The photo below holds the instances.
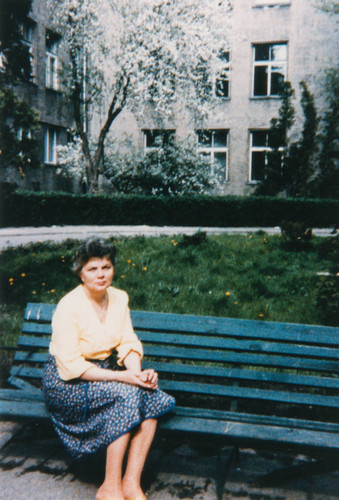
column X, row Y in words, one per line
column 13, row 236
column 34, row 466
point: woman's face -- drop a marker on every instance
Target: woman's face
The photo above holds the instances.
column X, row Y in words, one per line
column 97, row 274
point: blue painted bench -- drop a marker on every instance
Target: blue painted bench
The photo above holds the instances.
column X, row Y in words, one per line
column 249, row 383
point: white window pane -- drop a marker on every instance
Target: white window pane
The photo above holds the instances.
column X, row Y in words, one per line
column 279, row 52
column 220, row 165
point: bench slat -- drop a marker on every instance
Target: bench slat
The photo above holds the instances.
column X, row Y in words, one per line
column 31, row 357
column 250, row 393
column 243, row 374
column 235, row 327
column 212, row 342
column 240, row 345
column 242, row 358
column 257, row 419
column 37, row 328
column 322, row 335
column 246, row 433
column 210, row 371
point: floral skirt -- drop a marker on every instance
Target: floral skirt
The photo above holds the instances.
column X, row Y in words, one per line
column 88, row 416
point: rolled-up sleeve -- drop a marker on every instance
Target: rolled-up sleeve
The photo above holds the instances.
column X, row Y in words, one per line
column 65, row 344
column 129, row 341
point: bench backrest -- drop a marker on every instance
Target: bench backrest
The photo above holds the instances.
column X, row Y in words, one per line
column 220, row 363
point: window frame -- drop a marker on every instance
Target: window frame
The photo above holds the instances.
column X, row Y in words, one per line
column 266, row 149
column 212, row 150
column 219, row 75
column 51, row 56
column 158, row 132
column 269, row 64
column 27, row 38
column 50, row 153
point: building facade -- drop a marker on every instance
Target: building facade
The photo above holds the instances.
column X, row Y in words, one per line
column 44, row 93
column 270, row 41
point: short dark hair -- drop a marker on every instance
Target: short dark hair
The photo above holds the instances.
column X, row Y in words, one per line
column 93, row 247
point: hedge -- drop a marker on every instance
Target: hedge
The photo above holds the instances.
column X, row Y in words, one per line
column 46, row 209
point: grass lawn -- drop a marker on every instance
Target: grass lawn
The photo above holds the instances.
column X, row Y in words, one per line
column 251, row 276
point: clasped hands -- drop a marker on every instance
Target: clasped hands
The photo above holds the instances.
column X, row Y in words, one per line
column 143, row 378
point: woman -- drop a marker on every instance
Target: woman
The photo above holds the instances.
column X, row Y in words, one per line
column 96, row 401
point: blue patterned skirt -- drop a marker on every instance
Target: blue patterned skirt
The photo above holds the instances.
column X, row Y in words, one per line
column 88, row 416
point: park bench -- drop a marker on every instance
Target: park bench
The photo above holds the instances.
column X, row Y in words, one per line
column 247, row 383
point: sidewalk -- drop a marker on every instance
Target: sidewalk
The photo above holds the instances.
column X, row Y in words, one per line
column 13, row 236
column 34, row 466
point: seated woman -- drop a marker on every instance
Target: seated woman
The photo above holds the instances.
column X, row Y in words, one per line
column 97, row 400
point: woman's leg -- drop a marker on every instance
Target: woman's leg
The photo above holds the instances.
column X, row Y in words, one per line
column 111, row 488
column 140, row 444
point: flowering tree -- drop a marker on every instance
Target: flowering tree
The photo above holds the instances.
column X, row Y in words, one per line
column 129, row 53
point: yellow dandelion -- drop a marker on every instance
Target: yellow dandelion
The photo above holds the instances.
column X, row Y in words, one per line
column 261, row 315
column 133, row 264
column 52, row 291
column 227, row 293
column 43, row 284
column 122, row 276
column 129, row 261
column 235, row 302
column 23, row 275
column 34, row 292
column 11, row 279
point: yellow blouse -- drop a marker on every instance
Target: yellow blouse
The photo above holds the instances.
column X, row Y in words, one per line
column 78, row 335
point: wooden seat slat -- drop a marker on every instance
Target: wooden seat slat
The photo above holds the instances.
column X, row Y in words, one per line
column 244, row 374
column 222, row 356
column 242, row 358
column 285, row 397
column 37, row 328
column 233, row 374
column 250, row 434
column 257, row 419
column 234, row 327
column 240, row 345
column 297, row 333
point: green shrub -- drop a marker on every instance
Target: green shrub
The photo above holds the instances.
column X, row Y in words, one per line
column 46, row 209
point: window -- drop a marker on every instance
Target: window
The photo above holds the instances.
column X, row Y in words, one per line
column 213, row 144
column 23, row 136
column 52, row 42
column 157, row 138
column 270, row 68
column 222, row 81
column 259, row 149
column 26, row 31
column 50, row 150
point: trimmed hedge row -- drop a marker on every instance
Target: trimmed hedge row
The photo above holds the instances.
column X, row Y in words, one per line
column 46, row 209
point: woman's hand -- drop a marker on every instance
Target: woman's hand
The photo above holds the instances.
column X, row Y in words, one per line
column 147, row 379
column 151, row 377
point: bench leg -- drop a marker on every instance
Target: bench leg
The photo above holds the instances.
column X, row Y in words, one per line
column 223, row 466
